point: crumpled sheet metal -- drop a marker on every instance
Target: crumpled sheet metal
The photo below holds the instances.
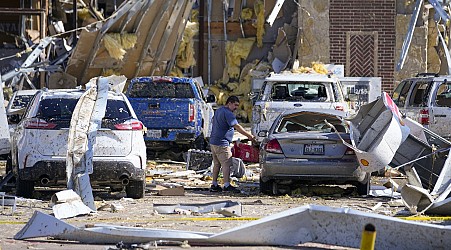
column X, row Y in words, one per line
column 309, row 223
column 229, row 206
column 377, row 131
column 67, row 204
column 86, row 119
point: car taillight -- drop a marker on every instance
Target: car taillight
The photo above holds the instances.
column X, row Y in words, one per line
column 37, row 123
column 191, row 113
column 424, row 117
column 129, row 125
column 273, row 146
column 339, row 107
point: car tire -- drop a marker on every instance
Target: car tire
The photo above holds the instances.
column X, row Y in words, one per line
column 135, row 189
column 24, row 188
column 200, row 143
column 266, row 186
column 275, row 188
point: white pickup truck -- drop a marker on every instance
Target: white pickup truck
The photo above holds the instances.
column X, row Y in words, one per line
column 287, row 91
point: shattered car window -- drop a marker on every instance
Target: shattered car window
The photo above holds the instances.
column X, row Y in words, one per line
column 300, row 91
column 21, row 101
column 310, row 122
column 443, row 98
column 59, row 111
column 162, row 90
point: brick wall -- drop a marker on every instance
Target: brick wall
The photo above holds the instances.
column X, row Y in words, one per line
column 369, row 21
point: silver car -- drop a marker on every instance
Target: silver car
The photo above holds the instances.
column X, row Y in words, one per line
column 39, row 146
column 301, row 148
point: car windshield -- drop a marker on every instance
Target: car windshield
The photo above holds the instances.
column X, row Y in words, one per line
column 162, row 90
column 61, row 109
column 310, row 122
column 300, row 91
column 21, row 101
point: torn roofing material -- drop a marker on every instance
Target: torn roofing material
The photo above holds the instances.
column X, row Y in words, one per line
column 158, row 26
column 309, row 223
column 231, row 206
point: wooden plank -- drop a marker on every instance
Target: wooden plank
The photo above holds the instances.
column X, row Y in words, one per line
column 175, row 14
column 233, row 28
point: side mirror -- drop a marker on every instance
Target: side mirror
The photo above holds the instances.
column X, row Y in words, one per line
column 263, row 133
column 352, row 97
column 211, row 98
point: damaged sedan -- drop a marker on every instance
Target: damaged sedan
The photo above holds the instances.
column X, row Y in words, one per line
column 301, row 148
column 39, row 154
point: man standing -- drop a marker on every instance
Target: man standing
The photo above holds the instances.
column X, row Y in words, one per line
column 224, row 125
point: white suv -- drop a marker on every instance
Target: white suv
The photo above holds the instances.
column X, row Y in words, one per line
column 426, row 99
column 40, row 144
column 289, row 91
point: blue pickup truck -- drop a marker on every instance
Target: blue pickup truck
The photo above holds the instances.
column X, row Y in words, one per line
column 174, row 110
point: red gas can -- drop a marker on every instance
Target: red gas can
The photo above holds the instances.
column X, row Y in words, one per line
column 245, row 152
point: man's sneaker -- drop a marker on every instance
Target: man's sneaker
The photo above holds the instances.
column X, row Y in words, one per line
column 232, row 189
column 216, row 188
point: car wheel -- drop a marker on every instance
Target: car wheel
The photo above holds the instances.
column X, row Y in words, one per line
column 200, row 143
column 24, row 188
column 266, row 186
column 275, row 188
column 135, row 189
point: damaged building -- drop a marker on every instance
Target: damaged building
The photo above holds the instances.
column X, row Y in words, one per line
column 228, row 43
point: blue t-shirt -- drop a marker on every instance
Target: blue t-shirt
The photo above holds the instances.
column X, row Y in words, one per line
column 222, row 127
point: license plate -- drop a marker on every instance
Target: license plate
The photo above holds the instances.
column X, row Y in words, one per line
column 152, row 133
column 313, row 149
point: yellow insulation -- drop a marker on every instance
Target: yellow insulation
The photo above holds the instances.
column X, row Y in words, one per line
column 221, row 95
column 317, row 67
column 235, row 51
column 117, row 43
column 113, row 47
column 259, row 7
column 110, row 72
column 176, row 72
column 185, row 53
column 246, row 14
column 83, row 14
column 128, row 40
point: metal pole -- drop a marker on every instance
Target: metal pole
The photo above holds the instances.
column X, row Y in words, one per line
column 209, row 40
column 224, row 16
column 74, row 22
column 201, row 37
